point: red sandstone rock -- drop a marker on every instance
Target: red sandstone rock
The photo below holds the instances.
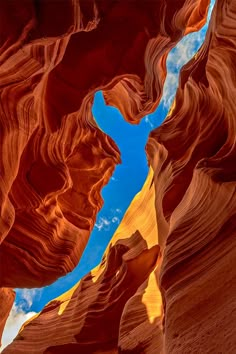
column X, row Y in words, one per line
column 190, row 199
column 193, row 155
column 87, row 318
column 54, row 159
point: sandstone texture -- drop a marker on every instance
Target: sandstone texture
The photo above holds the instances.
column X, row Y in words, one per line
column 167, row 281
column 54, row 159
column 116, row 296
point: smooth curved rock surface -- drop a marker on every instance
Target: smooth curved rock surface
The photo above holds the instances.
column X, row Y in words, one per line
column 188, row 207
column 54, row 159
column 193, row 154
column 89, row 317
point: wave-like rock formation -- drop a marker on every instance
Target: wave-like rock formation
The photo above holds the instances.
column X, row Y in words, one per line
column 185, row 302
column 54, row 159
column 115, row 296
column 167, row 280
column 193, row 154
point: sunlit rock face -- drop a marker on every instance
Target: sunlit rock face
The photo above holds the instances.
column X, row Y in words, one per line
column 166, row 283
column 120, row 295
column 54, row 160
column 193, row 155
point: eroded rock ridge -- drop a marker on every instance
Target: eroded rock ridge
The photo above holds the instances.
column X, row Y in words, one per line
column 167, row 280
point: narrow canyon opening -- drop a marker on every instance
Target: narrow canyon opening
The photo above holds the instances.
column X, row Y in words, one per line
column 127, row 180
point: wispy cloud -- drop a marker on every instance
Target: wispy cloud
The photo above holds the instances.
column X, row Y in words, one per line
column 178, row 57
column 115, row 220
column 148, row 121
column 104, row 222
column 14, row 322
column 25, row 298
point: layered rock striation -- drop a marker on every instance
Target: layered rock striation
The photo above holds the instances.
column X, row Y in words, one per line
column 193, row 155
column 167, row 280
column 54, row 159
column 117, row 296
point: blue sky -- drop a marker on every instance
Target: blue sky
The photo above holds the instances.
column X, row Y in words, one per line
column 126, row 181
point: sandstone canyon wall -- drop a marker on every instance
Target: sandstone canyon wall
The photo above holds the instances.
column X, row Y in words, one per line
column 167, row 280
column 54, row 159
column 88, row 316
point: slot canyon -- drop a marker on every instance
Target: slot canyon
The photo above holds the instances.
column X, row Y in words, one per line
column 166, row 283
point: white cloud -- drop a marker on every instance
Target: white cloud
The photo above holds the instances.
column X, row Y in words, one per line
column 170, row 88
column 115, row 219
column 26, row 297
column 148, row 121
column 178, row 57
column 19, row 313
column 102, row 223
column 14, row 322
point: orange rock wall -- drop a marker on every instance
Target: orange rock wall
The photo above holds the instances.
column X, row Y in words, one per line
column 87, row 319
column 54, row 159
column 193, row 154
column 167, row 280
